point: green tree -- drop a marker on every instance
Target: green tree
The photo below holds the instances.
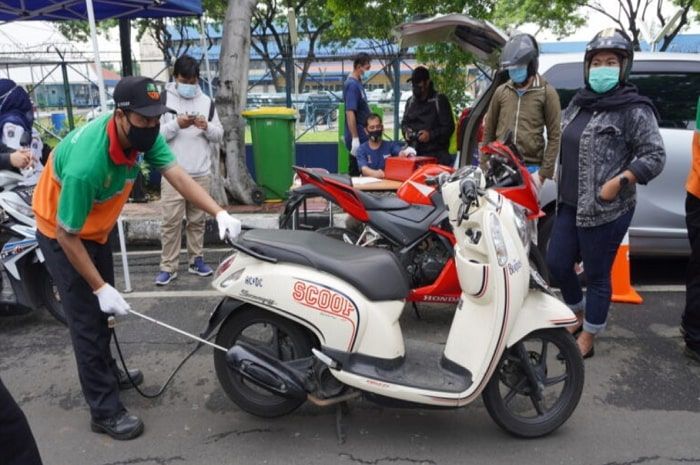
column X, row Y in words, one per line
column 352, row 18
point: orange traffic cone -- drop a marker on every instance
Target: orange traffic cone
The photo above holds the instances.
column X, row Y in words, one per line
column 622, row 290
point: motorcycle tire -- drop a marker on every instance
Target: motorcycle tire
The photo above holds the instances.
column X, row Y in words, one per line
column 339, row 233
column 551, row 412
column 51, row 299
column 538, row 263
column 293, row 342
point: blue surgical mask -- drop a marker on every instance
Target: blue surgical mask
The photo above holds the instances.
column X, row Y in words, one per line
column 187, row 90
column 603, row 78
column 518, row 75
column 364, row 76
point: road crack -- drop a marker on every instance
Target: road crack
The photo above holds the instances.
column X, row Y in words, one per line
column 156, row 460
column 352, row 458
column 217, row 437
column 641, row 460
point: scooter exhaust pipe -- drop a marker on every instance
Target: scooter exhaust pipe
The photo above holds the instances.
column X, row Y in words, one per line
column 266, row 372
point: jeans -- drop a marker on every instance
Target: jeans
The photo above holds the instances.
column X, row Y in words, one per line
column 597, row 246
column 691, row 315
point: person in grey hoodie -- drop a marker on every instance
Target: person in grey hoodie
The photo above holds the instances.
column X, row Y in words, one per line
column 610, row 143
column 189, row 134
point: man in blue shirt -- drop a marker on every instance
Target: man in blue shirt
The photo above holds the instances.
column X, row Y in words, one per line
column 372, row 154
column 356, row 109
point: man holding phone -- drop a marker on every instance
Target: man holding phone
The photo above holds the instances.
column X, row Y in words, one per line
column 189, row 135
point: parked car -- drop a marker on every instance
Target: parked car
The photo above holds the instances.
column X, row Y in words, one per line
column 671, row 80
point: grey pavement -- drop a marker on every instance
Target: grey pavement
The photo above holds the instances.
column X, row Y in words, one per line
column 641, row 402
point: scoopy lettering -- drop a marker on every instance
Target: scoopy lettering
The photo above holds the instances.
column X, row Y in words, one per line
column 322, row 299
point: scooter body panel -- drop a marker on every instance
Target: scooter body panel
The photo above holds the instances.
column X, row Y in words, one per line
column 339, row 315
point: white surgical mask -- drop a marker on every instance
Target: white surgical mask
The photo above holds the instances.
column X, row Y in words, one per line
column 186, row 90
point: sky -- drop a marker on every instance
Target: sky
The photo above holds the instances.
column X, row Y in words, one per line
column 34, row 35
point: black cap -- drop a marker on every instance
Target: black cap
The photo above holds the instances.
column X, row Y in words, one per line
column 420, row 74
column 141, row 95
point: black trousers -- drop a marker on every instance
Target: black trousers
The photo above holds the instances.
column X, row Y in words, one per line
column 97, row 369
column 691, row 316
column 17, row 445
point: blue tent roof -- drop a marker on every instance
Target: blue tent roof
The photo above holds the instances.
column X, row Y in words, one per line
column 58, row 10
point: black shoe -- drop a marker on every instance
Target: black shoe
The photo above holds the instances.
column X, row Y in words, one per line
column 121, row 427
column 124, row 382
column 691, row 354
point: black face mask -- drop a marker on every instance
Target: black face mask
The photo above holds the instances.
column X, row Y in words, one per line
column 417, row 93
column 142, row 139
column 376, row 135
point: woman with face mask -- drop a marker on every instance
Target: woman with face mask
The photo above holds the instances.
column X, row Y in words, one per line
column 610, row 143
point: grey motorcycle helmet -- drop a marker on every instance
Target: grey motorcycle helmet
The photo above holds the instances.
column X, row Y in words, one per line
column 521, row 50
column 610, row 40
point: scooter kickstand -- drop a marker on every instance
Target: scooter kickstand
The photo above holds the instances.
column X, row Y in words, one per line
column 415, row 309
column 342, row 409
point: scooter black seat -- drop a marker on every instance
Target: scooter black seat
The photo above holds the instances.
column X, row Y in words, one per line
column 375, row 272
column 384, row 202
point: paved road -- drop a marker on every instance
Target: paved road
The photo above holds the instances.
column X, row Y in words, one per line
column 641, row 403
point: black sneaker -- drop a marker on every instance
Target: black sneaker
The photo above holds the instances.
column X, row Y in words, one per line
column 125, row 383
column 122, row 426
column 691, row 354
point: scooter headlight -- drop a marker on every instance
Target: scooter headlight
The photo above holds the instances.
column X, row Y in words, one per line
column 522, row 225
column 499, row 242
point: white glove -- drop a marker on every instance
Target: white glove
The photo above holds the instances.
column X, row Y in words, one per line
column 410, row 151
column 538, row 182
column 228, row 225
column 354, row 145
column 111, row 301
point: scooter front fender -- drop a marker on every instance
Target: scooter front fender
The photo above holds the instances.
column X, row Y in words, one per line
column 539, row 310
column 227, row 306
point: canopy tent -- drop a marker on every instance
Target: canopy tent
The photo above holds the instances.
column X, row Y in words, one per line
column 94, row 10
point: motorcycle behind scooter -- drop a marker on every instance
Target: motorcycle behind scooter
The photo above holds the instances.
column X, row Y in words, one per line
column 413, row 225
column 308, row 318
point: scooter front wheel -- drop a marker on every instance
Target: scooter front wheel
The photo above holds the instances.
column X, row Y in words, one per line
column 537, row 384
column 279, row 337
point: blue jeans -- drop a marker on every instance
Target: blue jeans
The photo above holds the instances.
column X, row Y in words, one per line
column 597, row 246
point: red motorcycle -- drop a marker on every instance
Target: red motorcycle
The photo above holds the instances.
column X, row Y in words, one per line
column 414, row 224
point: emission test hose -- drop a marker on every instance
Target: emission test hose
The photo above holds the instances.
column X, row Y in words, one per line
column 112, row 323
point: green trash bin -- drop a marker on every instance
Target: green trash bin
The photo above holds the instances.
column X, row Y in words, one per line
column 272, row 130
column 343, row 154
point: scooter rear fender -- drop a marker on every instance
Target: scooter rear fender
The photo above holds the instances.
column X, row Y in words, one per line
column 539, row 311
column 222, row 311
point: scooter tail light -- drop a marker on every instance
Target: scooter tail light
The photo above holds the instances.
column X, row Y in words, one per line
column 225, row 265
column 233, row 278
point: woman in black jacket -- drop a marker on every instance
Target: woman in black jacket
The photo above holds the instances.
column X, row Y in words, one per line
column 610, row 142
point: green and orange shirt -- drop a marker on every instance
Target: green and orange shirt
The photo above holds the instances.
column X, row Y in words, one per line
column 693, row 184
column 81, row 189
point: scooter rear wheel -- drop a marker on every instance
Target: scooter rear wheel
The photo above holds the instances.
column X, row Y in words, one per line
column 279, row 337
column 511, row 397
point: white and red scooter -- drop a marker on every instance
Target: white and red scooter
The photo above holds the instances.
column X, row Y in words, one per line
column 308, row 317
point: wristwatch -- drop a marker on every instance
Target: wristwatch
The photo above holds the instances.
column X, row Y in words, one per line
column 624, row 180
